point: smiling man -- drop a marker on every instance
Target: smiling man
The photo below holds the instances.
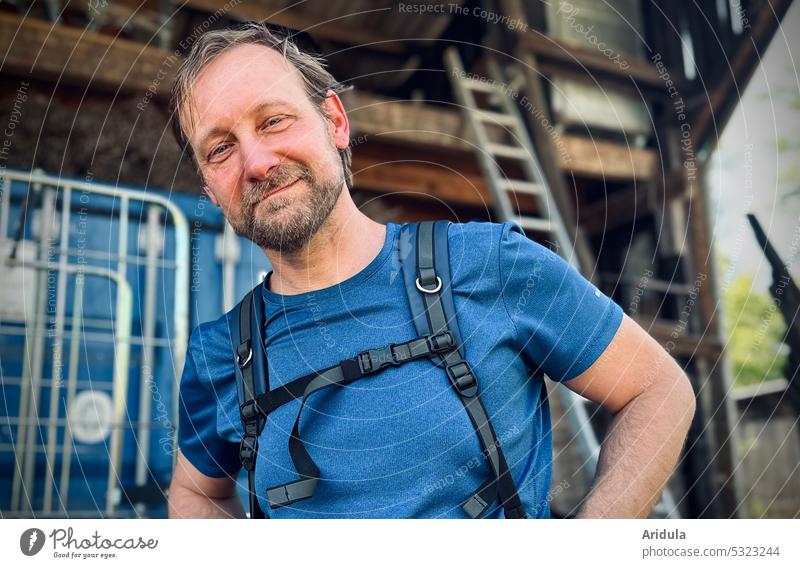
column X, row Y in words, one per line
column 270, row 138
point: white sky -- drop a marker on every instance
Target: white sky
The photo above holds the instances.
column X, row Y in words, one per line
column 764, row 116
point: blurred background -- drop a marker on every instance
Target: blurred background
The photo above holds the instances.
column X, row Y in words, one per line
column 631, row 136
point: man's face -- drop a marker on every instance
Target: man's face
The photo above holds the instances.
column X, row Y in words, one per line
column 268, row 157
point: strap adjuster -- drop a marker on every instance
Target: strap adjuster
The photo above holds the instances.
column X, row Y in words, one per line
column 248, row 448
column 441, row 342
column 249, row 410
column 462, row 379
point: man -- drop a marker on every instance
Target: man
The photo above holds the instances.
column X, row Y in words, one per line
column 270, row 137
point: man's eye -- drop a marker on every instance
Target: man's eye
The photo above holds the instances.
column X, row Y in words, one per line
column 274, row 121
column 218, row 150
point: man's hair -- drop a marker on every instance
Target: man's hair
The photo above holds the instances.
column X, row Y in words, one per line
column 317, row 80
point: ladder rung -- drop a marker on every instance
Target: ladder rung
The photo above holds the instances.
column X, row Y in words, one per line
column 506, row 151
column 496, row 117
column 520, row 186
column 476, row 85
column 534, row 223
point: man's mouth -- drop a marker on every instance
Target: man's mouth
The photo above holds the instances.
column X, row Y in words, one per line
column 280, row 189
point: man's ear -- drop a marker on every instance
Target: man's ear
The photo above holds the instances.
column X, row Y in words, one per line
column 210, row 195
column 339, row 124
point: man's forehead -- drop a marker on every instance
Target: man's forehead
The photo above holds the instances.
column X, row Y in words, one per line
column 240, row 80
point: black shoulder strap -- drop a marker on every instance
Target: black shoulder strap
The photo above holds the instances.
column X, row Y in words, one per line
column 426, row 268
column 252, row 380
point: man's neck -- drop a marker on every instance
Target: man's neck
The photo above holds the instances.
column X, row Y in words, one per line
column 345, row 244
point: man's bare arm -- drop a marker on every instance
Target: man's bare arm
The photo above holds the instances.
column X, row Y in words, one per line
column 653, row 403
column 193, row 495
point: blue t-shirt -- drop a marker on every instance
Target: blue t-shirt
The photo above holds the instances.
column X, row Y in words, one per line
column 399, row 443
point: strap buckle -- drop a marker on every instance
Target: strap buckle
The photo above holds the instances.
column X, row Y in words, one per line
column 462, row 379
column 374, row 360
column 249, row 410
column 248, row 448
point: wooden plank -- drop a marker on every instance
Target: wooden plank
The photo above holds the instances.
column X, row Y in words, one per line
column 419, row 173
column 603, row 159
column 405, row 121
column 334, row 30
column 406, row 174
column 42, row 50
column 128, row 14
column 590, row 61
column 413, row 124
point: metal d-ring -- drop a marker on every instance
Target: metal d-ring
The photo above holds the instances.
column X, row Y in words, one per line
column 432, row 291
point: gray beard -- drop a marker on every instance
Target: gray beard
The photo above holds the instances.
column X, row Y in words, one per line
column 286, row 223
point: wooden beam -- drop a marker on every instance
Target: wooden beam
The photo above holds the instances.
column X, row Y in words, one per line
column 386, row 168
column 548, row 48
column 131, row 14
column 317, row 27
column 43, row 50
column 414, row 173
column 602, row 159
column 711, row 119
column 406, row 122
column 414, row 124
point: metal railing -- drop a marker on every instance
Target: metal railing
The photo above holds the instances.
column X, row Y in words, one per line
column 51, row 308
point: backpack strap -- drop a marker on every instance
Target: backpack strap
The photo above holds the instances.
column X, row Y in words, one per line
column 345, row 372
column 257, row 400
column 251, row 379
column 426, row 269
column 425, row 262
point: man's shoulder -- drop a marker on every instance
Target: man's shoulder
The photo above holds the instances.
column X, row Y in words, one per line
column 479, row 242
column 211, row 344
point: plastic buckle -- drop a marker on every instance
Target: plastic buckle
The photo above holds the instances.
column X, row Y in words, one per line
column 248, row 448
column 462, row 379
column 374, row 360
column 440, row 342
column 249, row 410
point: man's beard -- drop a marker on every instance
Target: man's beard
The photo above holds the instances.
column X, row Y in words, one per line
column 286, row 222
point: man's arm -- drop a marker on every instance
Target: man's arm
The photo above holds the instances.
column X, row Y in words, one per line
column 193, row 495
column 653, row 404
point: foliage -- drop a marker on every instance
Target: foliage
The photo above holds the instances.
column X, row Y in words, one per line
column 756, row 330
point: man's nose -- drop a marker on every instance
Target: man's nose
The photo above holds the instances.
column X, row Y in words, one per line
column 259, row 160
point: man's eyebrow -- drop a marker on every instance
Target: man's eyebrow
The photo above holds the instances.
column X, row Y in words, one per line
column 258, row 109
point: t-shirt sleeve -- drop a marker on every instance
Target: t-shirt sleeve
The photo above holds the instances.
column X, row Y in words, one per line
column 206, row 409
column 563, row 322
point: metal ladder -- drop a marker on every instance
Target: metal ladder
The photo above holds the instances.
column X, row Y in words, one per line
column 548, row 222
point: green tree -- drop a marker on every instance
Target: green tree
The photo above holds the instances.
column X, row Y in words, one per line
column 756, row 331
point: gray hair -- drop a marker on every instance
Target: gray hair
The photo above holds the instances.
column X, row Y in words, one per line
column 214, row 43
